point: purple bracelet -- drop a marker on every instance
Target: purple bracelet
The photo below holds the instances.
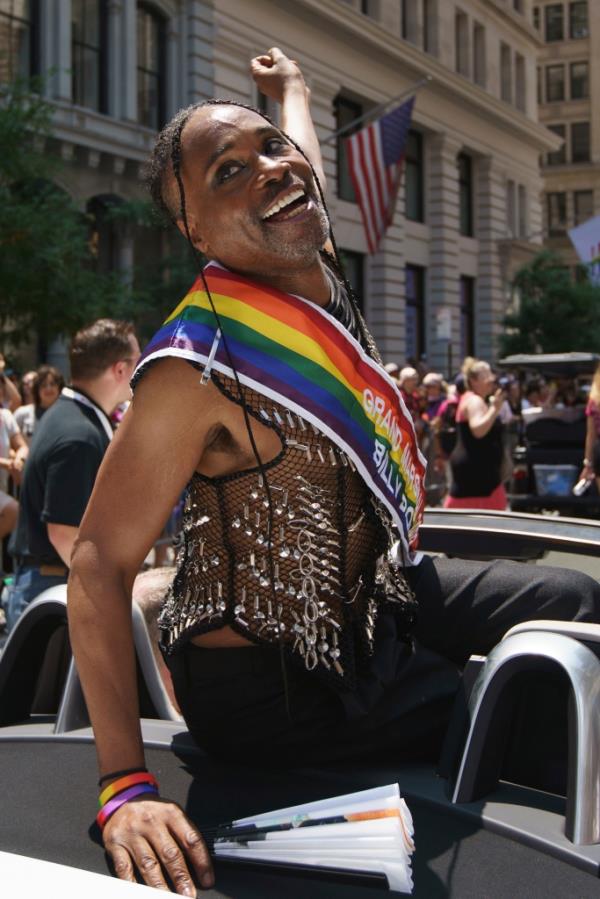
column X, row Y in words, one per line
column 117, row 801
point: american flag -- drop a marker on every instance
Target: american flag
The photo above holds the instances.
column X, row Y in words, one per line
column 375, row 157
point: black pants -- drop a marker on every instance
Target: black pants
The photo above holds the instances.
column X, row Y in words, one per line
column 234, row 700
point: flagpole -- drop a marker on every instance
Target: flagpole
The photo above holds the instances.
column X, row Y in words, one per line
column 377, row 109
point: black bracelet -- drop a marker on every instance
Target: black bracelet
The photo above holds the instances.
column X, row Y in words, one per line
column 115, row 774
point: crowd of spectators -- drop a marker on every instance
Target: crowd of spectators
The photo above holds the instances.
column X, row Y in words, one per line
column 447, row 412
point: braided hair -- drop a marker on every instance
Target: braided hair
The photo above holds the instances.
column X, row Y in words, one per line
column 166, row 160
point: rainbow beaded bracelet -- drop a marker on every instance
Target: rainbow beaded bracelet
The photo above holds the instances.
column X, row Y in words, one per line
column 116, row 802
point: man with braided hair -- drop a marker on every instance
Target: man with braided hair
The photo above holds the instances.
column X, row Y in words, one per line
column 288, row 629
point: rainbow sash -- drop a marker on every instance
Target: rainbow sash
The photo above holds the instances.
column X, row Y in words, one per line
column 293, row 352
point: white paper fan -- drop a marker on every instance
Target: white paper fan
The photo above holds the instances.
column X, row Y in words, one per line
column 369, row 832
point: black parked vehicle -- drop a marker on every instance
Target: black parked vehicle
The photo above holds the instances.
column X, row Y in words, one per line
column 549, row 455
column 510, row 811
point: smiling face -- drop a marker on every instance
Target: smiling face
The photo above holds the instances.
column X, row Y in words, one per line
column 49, row 391
column 251, row 200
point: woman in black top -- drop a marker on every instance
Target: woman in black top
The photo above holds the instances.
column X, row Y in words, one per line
column 476, row 461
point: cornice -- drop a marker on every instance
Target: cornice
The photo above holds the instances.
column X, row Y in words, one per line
column 344, row 20
column 517, row 20
column 86, row 128
column 520, row 243
column 571, row 169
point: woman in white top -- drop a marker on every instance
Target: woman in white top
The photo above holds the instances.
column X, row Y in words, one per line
column 10, row 398
column 13, row 452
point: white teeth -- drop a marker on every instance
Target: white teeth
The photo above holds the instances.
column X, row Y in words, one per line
column 281, row 204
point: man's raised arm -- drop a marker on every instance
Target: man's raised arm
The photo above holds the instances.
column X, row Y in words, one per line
column 157, row 448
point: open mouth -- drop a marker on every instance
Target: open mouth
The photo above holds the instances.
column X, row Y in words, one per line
column 287, row 207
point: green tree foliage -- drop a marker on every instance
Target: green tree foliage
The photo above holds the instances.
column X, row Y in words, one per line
column 48, row 282
column 555, row 314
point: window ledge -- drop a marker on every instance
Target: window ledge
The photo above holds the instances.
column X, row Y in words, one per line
column 416, row 229
column 568, row 168
column 97, row 131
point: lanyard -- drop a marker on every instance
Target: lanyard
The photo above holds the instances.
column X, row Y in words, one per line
column 71, row 394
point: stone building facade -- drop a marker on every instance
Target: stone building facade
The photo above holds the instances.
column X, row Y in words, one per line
column 569, row 104
column 469, row 208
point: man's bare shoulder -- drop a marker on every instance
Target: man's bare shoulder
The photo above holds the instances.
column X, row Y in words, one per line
column 175, row 383
column 167, row 427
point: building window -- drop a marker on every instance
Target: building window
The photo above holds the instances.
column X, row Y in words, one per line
column 578, row 20
column 354, row 267
column 346, row 112
column 415, row 311
column 558, row 157
column 461, row 43
column 413, row 179
column 505, row 73
column 19, row 39
column 536, row 17
column 88, row 49
column 554, row 22
column 479, row 63
column 511, row 209
column 430, row 21
column 539, row 85
column 583, row 205
column 465, row 191
column 411, row 26
column 368, row 8
column 523, row 216
column 557, row 214
column 580, row 83
column 467, row 316
column 580, row 142
column 518, row 6
column 555, row 84
column 520, row 83
column 150, row 67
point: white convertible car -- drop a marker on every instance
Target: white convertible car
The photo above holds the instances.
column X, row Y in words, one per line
column 513, row 809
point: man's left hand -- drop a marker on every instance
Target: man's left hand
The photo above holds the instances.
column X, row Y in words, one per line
column 273, row 72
